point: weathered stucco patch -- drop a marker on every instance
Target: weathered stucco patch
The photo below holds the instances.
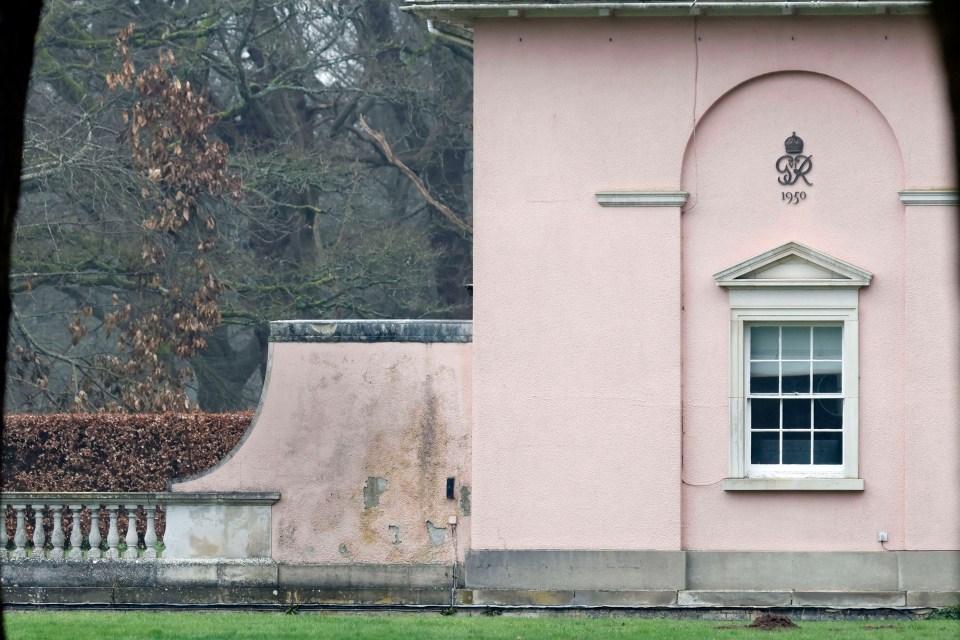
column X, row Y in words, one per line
column 437, row 535
column 373, row 488
column 464, row 500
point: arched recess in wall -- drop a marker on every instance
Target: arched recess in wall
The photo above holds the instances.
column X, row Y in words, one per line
column 790, row 98
column 738, row 209
column 737, row 202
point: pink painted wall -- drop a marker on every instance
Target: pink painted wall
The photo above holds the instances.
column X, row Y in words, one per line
column 576, row 308
column 853, row 212
column 581, row 345
column 932, row 350
column 334, row 414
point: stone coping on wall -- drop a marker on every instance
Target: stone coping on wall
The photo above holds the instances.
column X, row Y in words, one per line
column 457, row 331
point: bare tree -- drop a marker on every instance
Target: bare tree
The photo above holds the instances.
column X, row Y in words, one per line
column 331, row 221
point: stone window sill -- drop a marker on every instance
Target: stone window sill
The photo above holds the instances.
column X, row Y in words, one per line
column 793, row 484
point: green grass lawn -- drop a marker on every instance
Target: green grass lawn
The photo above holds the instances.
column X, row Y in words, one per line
column 82, row 625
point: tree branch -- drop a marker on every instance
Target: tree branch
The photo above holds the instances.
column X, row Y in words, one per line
column 414, row 178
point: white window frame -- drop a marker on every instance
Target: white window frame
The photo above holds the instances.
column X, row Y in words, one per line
column 760, row 300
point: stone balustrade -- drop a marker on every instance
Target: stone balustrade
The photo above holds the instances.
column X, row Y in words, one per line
column 71, row 526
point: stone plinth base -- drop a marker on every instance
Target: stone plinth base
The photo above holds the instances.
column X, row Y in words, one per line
column 569, row 581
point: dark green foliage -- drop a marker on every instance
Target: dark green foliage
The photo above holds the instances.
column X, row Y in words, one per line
column 947, row 613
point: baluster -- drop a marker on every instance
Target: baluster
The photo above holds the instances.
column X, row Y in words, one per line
column 4, row 539
column 95, row 538
column 39, row 535
column 20, row 537
column 76, row 535
column 150, row 536
column 131, row 538
column 57, row 539
column 113, row 536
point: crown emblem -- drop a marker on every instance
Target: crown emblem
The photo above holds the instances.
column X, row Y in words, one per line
column 794, row 144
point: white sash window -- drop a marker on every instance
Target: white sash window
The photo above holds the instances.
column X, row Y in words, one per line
column 794, row 399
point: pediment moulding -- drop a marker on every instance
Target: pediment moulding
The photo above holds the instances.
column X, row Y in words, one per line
column 793, row 265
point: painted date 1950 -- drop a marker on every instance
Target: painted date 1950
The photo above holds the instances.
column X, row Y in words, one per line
column 793, row 197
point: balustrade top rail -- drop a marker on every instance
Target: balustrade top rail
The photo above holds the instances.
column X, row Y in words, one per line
column 141, row 498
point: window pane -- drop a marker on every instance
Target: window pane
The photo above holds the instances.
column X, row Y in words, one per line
column 763, row 343
column 796, row 377
column 764, row 377
column 796, row 447
column 828, row 447
column 764, row 414
column 828, row 413
column 765, row 447
column 827, row 377
column 787, row 362
column 827, row 343
column 796, row 343
column 796, row 414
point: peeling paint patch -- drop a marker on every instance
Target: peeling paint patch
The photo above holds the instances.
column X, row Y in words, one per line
column 344, row 551
column 396, row 533
column 464, row 500
column 437, row 535
column 373, row 488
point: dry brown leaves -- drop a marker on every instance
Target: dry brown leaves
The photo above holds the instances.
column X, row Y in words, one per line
column 113, row 451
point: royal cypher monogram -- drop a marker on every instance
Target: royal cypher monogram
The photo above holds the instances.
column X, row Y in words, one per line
column 794, row 165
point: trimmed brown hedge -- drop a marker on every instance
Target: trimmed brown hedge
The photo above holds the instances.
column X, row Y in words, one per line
column 113, row 452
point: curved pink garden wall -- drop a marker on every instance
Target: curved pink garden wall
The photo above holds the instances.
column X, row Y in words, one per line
column 347, row 402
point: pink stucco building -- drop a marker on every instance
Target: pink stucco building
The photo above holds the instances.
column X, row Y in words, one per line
column 715, row 358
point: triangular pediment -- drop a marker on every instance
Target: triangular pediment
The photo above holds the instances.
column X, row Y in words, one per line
column 793, row 265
